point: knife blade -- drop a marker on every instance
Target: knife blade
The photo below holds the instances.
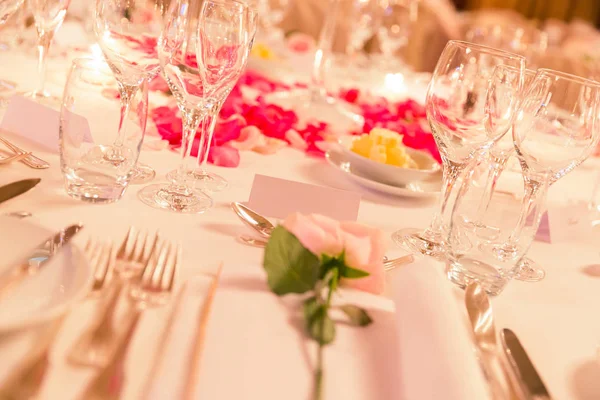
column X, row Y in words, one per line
column 253, row 219
column 38, row 257
column 14, row 189
column 522, row 366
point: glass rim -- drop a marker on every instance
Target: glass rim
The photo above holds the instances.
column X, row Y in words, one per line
column 566, row 76
column 488, row 49
column 91, row 63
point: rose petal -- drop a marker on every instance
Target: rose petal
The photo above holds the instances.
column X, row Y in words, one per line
column 296, row 141
column 250, row 137
column 271, row 147
column 224, row 156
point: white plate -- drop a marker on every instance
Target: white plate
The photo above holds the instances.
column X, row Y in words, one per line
column 391, row 174
column 64, row 280
column 420, row 189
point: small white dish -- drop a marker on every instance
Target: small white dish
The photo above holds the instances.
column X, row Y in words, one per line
column 421, row 189
column 44, row 296
column 390, row 174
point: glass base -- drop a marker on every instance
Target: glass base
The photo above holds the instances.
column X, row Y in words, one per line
column 7, row 87
column 168, row 197
column 142, row 173
column 311, row 106
column 93, row 192
column 203, row 179
column 425, row 242
column 466, row 270
column 529, row 271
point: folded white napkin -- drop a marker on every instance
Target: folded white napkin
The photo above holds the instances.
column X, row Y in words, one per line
column 436, row 359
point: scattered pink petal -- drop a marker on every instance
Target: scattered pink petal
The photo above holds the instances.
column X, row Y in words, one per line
column 296, row 140
column 302, row 43
column 228, row 129
column 250, row 137
column 272, row 146
column 224, row 156
column 110, row 93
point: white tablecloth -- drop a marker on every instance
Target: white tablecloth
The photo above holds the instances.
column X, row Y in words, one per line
column 556, row 319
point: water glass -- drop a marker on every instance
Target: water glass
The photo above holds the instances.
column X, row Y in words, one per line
column 471, row 253
column 89, row 120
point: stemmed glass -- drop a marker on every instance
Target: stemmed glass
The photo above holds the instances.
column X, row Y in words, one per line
column 396, row 25
column 225, row 36
column 49, row 16
column 366, row 17
column 315, row 103
column 7, row 8
column 457, row 111
column 271, row 13
column 555, row 130
column 127, row 32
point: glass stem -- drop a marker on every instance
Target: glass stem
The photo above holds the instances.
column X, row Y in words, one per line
column 191, row 120
column 496, row 168
column 533, row 205
column 324, row 48
column 208, row 128
column 451, row 172
column 45, row 38
column 126, row 93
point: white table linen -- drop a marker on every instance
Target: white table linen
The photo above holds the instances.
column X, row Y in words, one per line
column 556, row 319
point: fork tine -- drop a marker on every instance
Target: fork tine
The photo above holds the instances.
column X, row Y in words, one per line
column 170, row 270
column 131, row 235
column 140, row 245
column 151, row 263
column 147, row 251
column 160, row 265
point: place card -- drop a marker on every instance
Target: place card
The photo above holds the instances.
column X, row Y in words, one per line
column 278, row 198
column 35, row 122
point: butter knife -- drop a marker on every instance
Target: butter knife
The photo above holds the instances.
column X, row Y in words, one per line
column 523, row 367
column 37, row 258
column 14, row 189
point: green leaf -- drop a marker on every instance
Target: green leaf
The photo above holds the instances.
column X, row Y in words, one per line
column 357, row 316
column 352, row 273
column 311, row 306
column 321, row 328
column 290, row 267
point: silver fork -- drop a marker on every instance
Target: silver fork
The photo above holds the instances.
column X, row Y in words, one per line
column 96, row 345
column 26, row 380
column 154, row 289
column 14, row 157
column 31, row 160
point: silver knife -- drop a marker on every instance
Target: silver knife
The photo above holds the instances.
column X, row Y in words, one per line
column 37, row 258
column 14, row 189
column 523, row 367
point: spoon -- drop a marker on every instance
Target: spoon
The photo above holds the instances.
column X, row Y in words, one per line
column 19, row 214
column 481, row 317
column 254, row 220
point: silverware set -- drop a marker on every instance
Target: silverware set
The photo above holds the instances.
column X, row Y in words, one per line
column 264, row 228
column 142, row 272
column 505, row 364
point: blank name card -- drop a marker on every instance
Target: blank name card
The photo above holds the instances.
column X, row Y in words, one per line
column 39, row 124
column 278, row 198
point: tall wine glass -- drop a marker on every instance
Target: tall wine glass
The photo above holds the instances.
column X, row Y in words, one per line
column 225, row 35
column 555, row 131
column 456, row 108
column 271, row 13
column 315, row 103
column 7, row 9
column 49, row 16
column 177, row 50
column 366, row 17
column 396, row 26
column 127, row 32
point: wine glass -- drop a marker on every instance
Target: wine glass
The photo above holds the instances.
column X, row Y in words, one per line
column 177, row 48
column 271, row 13
column 396, row 26
column 7, row 9
column 49, row 16
column 225, row 35
column 366, row 17
column 127, row 33
column 555, row 130
column 315, row 103
column 457, row 111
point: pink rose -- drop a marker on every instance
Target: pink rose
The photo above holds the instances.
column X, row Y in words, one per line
column 364, row 246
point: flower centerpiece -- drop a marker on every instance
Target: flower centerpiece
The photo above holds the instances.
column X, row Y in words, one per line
column 314, row 255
